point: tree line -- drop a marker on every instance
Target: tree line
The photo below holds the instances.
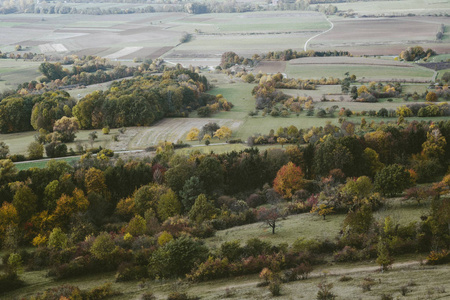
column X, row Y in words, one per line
column 137, row 101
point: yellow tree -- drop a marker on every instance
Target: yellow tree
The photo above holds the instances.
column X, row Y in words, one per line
column 8, row 217
column 67, row 206
column 282, row 141
column 434, row 146
column 223, row 133
column 95, row 181
column 193, row 134
column 362, row 89
column 322, row 210
column 431, row 97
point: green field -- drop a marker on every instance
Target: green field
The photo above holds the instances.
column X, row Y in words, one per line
column 441, row 73
column 311, row 226
column 318, row 71
column 42, row 163
column 18, row 142
column 14, row 72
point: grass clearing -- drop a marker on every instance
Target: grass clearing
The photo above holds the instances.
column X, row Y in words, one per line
column 429, row 282
column 14, row 72
column 262, row 125
column 311, row 226
column 384, row 73
column 43, row 163
column 440, row 58
column 441, row 73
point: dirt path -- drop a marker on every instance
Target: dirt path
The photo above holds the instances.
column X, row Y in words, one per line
column 332, row 26
column 336, row 272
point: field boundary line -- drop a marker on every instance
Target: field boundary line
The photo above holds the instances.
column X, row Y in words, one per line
column 332, row 26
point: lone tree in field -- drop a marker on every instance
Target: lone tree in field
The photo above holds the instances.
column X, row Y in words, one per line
column 270, row 216
column 92, row 137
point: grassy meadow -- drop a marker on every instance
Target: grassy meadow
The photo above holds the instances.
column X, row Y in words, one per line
column 379, row 73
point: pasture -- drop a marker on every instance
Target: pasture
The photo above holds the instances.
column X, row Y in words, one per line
column 429, row 282
column 14, row 72
column 311, row 226
column 372, row 71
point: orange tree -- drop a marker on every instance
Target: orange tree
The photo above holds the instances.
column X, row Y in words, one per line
column 289, row 179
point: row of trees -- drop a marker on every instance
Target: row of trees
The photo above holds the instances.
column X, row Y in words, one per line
column 230, row 58
column 192, row 7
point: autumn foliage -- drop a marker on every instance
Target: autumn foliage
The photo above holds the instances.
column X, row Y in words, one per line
column 289, row 179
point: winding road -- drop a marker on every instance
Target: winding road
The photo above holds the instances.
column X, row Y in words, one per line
column 332, row 26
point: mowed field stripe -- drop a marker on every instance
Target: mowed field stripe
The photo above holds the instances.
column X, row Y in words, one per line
column 123, row 52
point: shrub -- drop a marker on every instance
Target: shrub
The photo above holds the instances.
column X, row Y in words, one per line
column 386, row 297
column 275, row 288
column 255, row 247
column 101, row 292
column 17, row 157
column 231, row 250
column 102, row 246
column 178, row 257
column 302, row 244
column 344, row 278
column 367, row 284
column 128, row 272
column 180, row 296
column 437, row 258
column 210, row 269
column 147, row 296
column 255, row 200
column 324, row 292
column 56, row 150
column 346, row 254
column 105, row 130
column 65, row 291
